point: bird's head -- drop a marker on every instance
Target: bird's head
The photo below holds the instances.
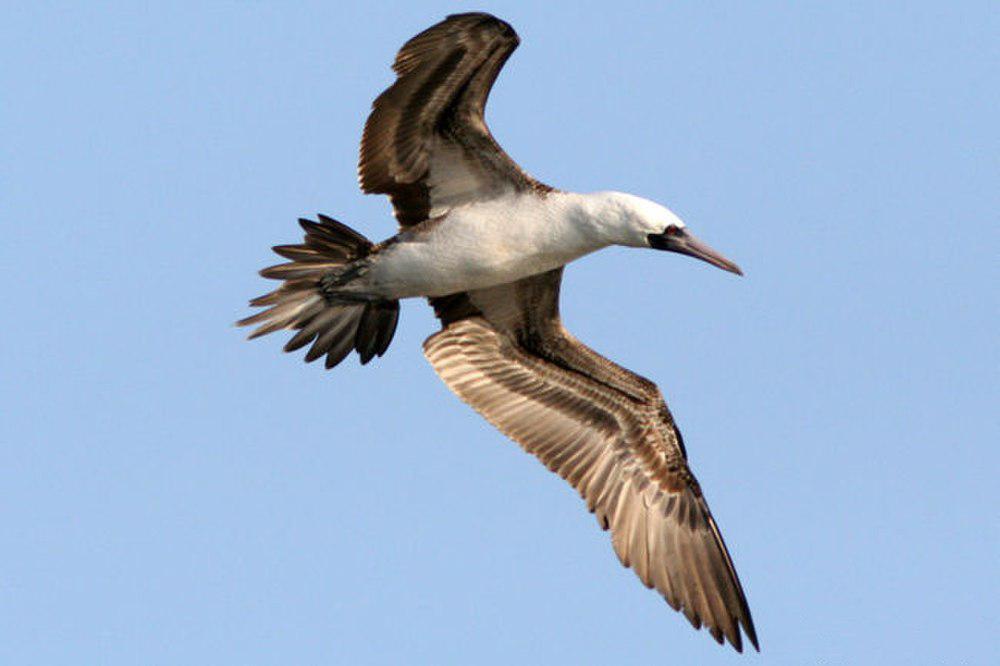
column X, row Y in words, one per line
column 638, row 222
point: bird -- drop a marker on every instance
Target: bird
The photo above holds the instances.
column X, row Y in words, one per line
column 486, row 245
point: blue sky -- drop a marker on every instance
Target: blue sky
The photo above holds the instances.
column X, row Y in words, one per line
column 173, row 494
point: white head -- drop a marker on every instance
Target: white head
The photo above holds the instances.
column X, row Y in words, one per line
column 636, row 222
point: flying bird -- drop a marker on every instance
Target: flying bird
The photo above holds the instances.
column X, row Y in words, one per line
column 486, row 244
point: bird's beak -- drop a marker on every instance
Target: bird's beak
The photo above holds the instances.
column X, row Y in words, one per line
column 679, row 240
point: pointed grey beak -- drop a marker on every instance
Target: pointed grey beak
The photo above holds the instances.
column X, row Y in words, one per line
column 679, row 240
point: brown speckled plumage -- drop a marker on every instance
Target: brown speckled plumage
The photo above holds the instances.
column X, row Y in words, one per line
column 503, row 350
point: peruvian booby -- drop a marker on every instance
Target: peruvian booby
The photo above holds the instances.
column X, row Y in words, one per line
column 486, row 244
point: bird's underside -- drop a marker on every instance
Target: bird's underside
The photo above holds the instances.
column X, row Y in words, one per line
column 503, row 349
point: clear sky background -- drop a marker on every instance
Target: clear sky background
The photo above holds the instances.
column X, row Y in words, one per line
column 171, row 494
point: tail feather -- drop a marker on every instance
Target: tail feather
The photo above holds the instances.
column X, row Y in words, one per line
column 333, row 326
column 376, row 328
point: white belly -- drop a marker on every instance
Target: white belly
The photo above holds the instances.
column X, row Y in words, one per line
column 481, row 246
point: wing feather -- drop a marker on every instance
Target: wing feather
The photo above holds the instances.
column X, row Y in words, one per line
column 426, row 143
column 632, row 474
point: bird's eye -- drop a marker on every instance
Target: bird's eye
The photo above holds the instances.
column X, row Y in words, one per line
column 672, row 230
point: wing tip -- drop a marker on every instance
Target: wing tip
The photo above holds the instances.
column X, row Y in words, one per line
column 750, row 631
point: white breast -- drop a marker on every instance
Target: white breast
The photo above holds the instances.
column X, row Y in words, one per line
column 485, row 244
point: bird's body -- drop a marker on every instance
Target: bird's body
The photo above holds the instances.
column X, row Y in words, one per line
column 486, row 244
column 482, row 244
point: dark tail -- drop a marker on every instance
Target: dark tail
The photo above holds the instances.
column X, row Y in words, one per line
column 305, row 303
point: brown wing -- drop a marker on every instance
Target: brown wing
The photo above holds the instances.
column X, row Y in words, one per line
column 607, row 432
column 426, row 143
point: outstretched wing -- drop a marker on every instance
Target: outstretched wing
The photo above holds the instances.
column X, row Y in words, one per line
column 426, row 143
column 604, row 430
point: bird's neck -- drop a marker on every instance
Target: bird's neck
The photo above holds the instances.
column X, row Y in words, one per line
column 603, row 215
